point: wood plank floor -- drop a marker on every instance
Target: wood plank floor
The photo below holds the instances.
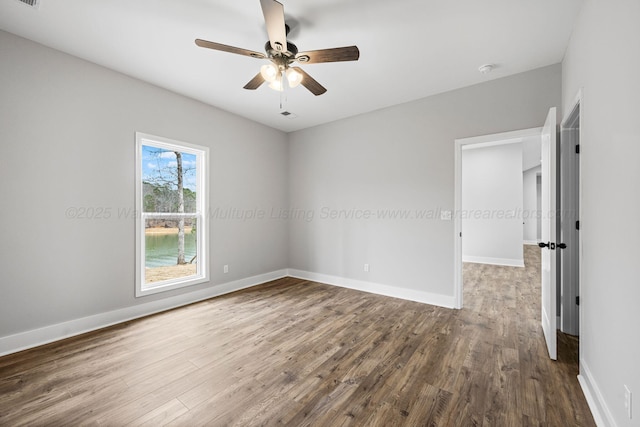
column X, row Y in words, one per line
column 305, row 354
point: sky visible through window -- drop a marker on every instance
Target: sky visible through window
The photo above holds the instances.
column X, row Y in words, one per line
column 156, row 161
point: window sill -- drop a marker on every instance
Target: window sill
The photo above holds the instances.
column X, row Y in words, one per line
column 169, row 285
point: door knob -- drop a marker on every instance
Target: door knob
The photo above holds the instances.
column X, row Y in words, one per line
column 543, row 245
column 562, row 245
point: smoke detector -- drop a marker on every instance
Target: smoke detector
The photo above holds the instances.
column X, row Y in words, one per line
column 486, row 68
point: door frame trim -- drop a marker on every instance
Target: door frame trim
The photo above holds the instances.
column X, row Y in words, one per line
column 485, row 140
column 568, row 116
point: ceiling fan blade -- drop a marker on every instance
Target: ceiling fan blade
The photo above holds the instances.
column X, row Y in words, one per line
column 255, row 82
column 310, row 83
column 230, row 49
column 273, row 12
column 337, row 54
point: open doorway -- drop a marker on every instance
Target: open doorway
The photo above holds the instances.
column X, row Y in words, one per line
column 549, row 279
column 480, row 244
column 561, row 196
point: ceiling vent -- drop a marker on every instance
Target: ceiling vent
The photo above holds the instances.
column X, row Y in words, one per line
column 33, row 3
column 288, row 114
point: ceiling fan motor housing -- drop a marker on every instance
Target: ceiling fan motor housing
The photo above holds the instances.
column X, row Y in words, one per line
column 292, row 50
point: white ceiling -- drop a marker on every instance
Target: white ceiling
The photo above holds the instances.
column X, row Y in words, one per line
column 531, row 146
column 409, row 49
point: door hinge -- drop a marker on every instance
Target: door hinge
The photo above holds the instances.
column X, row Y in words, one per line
column 577, row 300
column 461, row 234
column 577, row 225
column 577, row 148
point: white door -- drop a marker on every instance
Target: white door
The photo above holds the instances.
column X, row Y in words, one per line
column 548, row 226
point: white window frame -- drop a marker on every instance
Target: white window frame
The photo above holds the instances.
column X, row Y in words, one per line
column 202, row 206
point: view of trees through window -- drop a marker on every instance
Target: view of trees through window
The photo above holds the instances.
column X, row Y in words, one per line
column 169, row 203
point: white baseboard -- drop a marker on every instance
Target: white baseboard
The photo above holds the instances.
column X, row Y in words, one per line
column 599, row 409
column 25, row 340
column 531, row 242
column 493, row 261
column 376, row 288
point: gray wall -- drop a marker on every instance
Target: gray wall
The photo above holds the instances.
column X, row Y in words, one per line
column 67, row 138
column 603, row 58
column 400, row 158
column 492, row 200
column 530, row 204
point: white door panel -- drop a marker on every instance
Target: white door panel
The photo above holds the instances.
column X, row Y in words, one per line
column 549, row 215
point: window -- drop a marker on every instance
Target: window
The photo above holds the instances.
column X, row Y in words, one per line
column 172, row 238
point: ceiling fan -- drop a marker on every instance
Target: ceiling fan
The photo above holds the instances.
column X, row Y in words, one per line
column 284, row 54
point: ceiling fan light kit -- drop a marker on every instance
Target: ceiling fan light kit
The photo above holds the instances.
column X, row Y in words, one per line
column 274, row 76
column 269, row 72
column 294, row 78
column 282, row 59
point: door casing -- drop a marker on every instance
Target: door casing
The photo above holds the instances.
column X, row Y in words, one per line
column 570, row 131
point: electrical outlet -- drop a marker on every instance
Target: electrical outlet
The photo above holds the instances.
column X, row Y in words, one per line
column 366, row 268
column 225, row 269
column 627, row 400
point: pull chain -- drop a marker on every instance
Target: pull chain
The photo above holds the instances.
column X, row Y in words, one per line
column 283, row 92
